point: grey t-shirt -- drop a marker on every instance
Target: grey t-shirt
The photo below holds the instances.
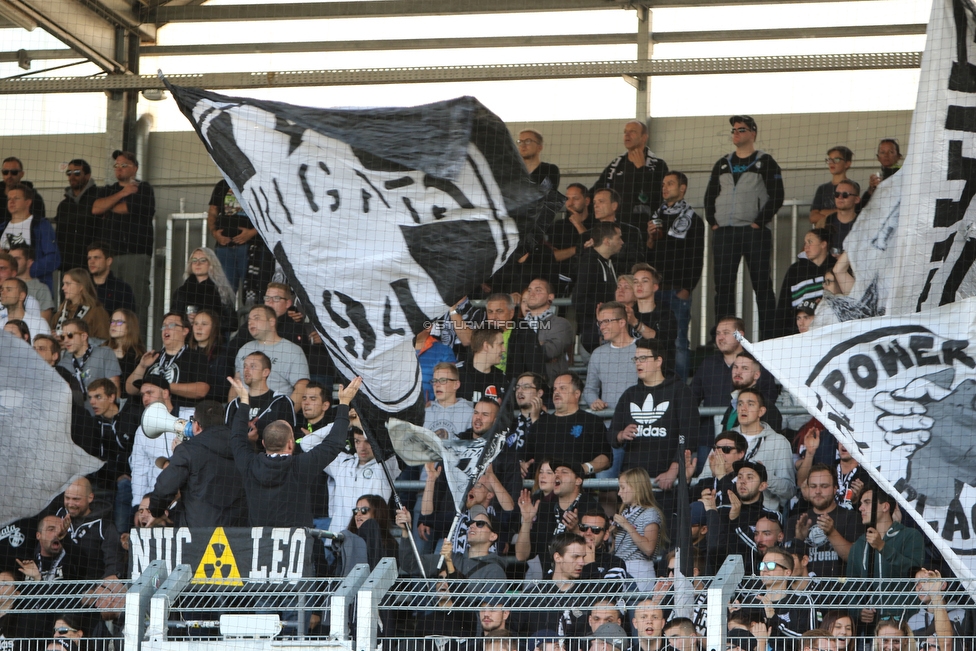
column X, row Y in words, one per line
column 288, row 364
column 41, row 293
column 453, row 419
column 101, row 364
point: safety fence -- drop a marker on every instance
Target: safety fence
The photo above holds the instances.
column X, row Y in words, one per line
column 169, row 610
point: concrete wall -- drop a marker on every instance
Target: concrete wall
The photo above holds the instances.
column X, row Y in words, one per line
column 178, row 166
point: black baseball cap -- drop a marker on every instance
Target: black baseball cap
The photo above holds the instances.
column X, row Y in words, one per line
column 757, row 467
column 809, row 306
column 154, row 379
column 744, row 119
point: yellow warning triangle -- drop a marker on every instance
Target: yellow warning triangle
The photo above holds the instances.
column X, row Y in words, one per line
column 218, row 564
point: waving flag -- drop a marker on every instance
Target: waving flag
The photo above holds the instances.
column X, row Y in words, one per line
column 37, row 457
column 381, row 218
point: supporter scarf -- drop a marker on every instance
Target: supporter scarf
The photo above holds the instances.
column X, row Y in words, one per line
column 79, row 366
column 680, row 216
column 534, row 321
column 63, row 316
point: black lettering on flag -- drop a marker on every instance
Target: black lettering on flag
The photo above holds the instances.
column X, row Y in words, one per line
column 366, row 197
column 961, row 118
column 293, row 131
column 956, row 522
column 324, row 168
column 415, row 316
column 413, row 211
column 302, row 172
column 388, row 330
column 439, row 212
column 954, row 350
column 449, row 188
column 494, row 210
column 961, row 168
column 835, row 383
column 889, row 358
column 963, row 75
column 959, row 270
column 457, row 255
column 843, row 424
column 265, row 209
column 335, row 204
column 223, row 147
column 335, row 316
column 401, row 182
column 281, row 201
column 357, row 314
column 375, row 189
column 920, row 346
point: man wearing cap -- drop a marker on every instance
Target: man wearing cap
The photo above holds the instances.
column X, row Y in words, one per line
column 128, row 208
column 637, row 176
column 146, row 451
column 477, row 562
column 739, row 639
column 805, row 313
column 744, row 192
column 609, row 637
column 734, row 524
column 542, row 521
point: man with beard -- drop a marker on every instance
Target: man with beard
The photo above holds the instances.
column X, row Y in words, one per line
column 52, row 561
column 266, row 406
column 556, row 335
column 828, row 530
column 570, row 433
column 732, row 526
column 91, row 533
column 542, row 521
column 746, row 372
column 530, row 392
column 77, row 227
column 601, row 563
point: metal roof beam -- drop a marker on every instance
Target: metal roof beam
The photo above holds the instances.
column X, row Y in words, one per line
column 501, row 72
column 399, row 8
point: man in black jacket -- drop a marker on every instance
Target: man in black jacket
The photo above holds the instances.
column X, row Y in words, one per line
column 276, row 482
column 202, row 470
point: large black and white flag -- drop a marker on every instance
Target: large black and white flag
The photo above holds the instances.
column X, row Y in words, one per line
column 913, row 247
column 381, row 218
column 900, row 393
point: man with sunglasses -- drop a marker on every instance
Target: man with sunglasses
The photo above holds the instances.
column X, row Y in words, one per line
column 789, row 613
column 13, row 174
column 839, row 160
column 840, row 221
column 601, row 563
column 744, row 193
column 87, row 361
column 77, row 226
column 729, row 447
column 23, row 226
column 478, row 561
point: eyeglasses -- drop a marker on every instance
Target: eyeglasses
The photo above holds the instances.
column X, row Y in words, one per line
column 64, row 630
column 198, row 260
column 74, row 173
column 726, row 449
column 834, row 160
column 362, row 510
column 527, row 141
column 641, row 358
column 740, row 130
column 442, row 380
column 843, row 195
column 274, row 299
column 607, row 321
column 170, row 326
column 592, row 528
column 116, row 322
column 11, row 172
column 121, row 166
column 481, row 524
column 769, row 566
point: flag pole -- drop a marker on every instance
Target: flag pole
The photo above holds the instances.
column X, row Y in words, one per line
column 389, row 478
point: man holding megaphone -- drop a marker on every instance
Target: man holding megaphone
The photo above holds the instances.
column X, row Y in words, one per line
column 278, row 483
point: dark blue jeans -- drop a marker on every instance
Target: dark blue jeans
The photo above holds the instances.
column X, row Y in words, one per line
column 682, row 314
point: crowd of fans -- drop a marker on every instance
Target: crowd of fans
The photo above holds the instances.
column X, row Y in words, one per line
column 270, row 450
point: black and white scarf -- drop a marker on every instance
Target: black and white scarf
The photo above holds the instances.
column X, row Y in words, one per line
column 63, row 316
column 680, row 218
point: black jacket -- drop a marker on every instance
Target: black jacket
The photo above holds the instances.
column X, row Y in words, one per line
column 211, row 489
column 596, row 282
column 202, row 295
column 77, row 227
column 277, row 487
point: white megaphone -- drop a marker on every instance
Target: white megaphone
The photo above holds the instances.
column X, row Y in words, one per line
column 156, row 420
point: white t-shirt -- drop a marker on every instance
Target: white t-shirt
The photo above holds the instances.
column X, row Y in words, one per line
column 17, row 233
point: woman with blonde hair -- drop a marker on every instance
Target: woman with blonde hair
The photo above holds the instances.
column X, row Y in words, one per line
column 80, row 302
column 639, row 525
column 125, row 340
column 204, row 287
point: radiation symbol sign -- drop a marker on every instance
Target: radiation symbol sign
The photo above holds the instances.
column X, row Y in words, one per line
column 218, row 564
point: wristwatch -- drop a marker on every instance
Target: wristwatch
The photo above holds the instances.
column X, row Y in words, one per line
column 588, row 468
